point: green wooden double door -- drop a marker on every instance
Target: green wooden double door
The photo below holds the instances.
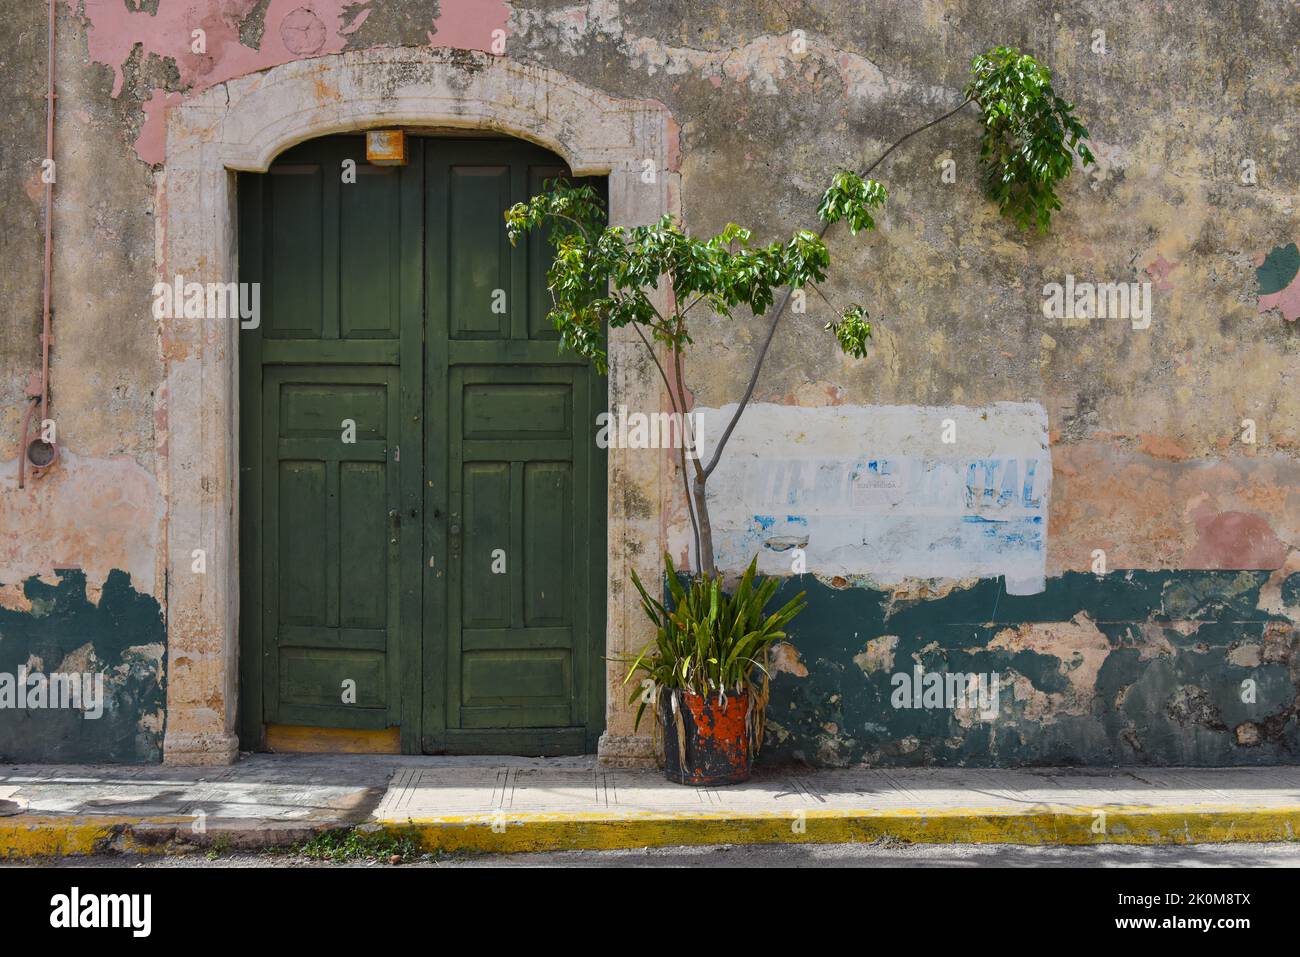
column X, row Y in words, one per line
column 422, row 499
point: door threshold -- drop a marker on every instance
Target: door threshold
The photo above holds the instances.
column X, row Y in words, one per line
column 301, row 739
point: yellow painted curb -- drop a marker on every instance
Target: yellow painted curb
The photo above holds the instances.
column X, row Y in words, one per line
column 25, row 835
column 507, row 833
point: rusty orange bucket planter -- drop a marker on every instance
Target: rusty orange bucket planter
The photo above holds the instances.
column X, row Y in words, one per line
column 710, row 745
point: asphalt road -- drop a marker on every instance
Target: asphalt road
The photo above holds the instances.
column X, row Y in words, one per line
column 783, row 855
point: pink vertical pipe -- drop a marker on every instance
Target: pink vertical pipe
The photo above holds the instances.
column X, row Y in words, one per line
column 43, row 399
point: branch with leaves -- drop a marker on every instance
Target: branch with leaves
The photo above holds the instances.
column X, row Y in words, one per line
column 1031, row 136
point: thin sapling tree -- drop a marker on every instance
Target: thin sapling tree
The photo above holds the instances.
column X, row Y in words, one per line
column 602, row 275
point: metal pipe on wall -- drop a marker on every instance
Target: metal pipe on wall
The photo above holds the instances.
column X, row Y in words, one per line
column 40, row 453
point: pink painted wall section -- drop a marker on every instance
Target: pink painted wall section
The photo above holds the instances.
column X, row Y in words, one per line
column 1153, row 512
column 469, row 24
column 293, row 30
column 151, row 143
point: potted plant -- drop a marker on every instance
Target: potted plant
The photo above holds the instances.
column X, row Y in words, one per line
column 705, row 673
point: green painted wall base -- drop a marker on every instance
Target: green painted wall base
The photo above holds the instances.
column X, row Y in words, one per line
column 120, row 638
column 1130, row 668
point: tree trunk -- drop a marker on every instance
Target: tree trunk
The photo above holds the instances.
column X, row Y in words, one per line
column 704, row 560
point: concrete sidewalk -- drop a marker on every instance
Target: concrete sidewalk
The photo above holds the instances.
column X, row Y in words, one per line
column 523, row 804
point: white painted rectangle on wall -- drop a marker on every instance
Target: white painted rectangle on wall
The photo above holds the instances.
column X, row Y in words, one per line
column 877, row 492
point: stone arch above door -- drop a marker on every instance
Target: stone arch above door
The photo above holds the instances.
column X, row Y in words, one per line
column 242, row 125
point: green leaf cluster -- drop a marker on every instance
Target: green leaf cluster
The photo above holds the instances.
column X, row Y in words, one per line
column 851, row 198
column 709, row 641
column 852, row 330
column 1030, row 138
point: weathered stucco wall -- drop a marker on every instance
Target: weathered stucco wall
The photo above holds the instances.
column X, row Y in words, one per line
column 1191, row 107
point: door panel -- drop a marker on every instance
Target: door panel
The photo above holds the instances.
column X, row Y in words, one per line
column 548, row 506
column 331, row 617
column 514, row 554
column 294, row 253
column 447, row 560
column 370, row 249
column 478, row 273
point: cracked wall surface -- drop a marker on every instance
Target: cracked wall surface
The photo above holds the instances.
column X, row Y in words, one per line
column 1191, row 109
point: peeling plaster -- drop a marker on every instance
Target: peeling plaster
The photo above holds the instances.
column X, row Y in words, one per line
column 1279, row 281
column 785, row 660
column 1153, row 512
column 119, row 635
column 290, row 30
column 763, row 64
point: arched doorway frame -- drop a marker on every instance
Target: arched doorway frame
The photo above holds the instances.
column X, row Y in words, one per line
column 242, row 125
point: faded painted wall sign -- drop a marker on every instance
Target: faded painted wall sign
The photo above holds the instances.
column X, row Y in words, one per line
column 885, row 492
